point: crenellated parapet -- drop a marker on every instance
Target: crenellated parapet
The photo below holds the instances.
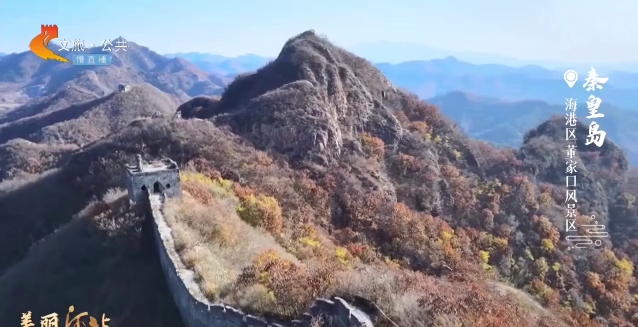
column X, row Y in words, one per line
column 159, row 177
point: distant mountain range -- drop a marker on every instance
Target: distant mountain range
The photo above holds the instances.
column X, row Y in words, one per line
column 430, row 78
column 505, row 123
column 440, row 76
column 225, row 66
column 396, row 52
column 427, row 78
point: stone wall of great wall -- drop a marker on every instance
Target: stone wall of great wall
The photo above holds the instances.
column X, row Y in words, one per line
column 196, row 311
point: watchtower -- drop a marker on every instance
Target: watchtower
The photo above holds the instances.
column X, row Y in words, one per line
column 123, row 88
column 153, row 177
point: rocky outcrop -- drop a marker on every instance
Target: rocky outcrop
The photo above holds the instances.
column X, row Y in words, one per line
column 310, row 101
column 198, row 107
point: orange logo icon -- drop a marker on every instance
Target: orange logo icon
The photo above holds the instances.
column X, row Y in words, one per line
column 40, row 44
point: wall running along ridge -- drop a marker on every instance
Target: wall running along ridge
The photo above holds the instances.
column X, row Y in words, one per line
column 196, row 311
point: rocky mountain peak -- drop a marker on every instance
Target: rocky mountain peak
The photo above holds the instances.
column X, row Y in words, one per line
column 310, row 101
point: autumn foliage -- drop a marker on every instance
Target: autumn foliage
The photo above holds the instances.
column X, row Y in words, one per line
column 372, row 146
column 488, row 216
column 436, row 229
column 262, row 211
column 491, row 228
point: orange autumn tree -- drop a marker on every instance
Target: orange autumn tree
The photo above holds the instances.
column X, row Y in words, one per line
column 406, row 165
column 459, row 189
column 609, row 281
column 293, row 287
column 373, row 147
column 406, row 232
column 263, row 211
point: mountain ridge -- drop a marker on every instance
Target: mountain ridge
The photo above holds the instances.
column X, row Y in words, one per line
column 136, row 65
column 68, row 127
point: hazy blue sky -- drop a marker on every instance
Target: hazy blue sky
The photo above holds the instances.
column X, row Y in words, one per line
column 565, row 30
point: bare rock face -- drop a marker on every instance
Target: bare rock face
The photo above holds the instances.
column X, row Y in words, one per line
column 310, row 101
column 198, row 107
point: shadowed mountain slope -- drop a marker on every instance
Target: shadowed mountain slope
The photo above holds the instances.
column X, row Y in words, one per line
column 90, row 254
column 61, row 99
column 63, row 129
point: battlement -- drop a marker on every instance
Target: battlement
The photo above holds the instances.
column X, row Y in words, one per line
column 49, row 29
column 160, row 176
column 149, row 167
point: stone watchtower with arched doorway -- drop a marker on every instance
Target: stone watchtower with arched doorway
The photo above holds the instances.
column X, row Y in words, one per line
column 160, row 177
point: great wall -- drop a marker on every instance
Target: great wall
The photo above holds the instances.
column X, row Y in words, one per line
column 149, row 184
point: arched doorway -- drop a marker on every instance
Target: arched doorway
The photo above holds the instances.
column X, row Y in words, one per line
column 157, row 187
